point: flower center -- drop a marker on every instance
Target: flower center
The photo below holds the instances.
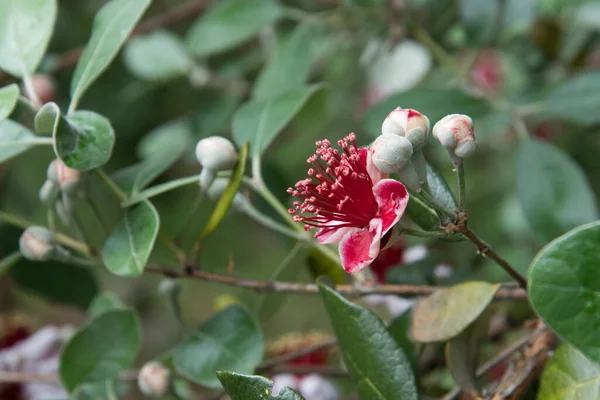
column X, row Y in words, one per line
column 338, row 192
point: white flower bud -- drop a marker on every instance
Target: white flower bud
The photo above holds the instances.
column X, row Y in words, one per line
column 216, row 189
column 68, row 178
column 455, row 133
column 52, row 171
column 48, row 192
column 315, row 387
column 216, row 153
column 154, row 379
column 408, row 123
column 391, row 153
column 44, row 86
column 36, row 243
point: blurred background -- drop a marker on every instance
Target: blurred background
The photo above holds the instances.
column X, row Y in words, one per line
column 494, row 60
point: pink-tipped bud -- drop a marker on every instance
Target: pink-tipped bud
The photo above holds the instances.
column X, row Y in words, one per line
column 391, row 153
column 408, row 123
column 36, row 244
column 455, row 133
column 67, row 178
column 216, row 154
column 48, row 192
column 154, row 379
column 44, row 87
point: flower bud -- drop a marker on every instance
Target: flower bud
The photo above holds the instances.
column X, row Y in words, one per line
column 36, row 244
column 68, row 178
column 216, row 189
column 169, row 287
column 48, row 192
column 52, row 171
column 314, row 386
column 455, row 133
column 216, row 153
column 154, row 379
column 408, row 123
column 391, row 153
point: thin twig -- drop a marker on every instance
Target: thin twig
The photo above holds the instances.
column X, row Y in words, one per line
column 487, row 251
column 498, row 359
column 506, row 292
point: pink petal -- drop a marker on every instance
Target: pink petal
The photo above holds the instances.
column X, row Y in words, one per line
column 392, row 198
column 366, row 156
column 360, row 246
column 331, row 235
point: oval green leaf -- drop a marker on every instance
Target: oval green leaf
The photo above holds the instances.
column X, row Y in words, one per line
column 289, row 65
column 100, row 349
column 230, row 340
column 229, row 193
column 439, row 189
column 8, row 99
column 553, row 190
column 569, row 375
column 435, row 103
column 245, row 387
column 260, row 121
column 130, row 243
column 378, row 366
column 446, row 313
column 158, row 56
column 103, row 302
column 421, row 214
column 112, row 26
column 25, row 30
column 84, row 140
column 230, row 23
column 14, row 139
column 563, row 287
column 576, row 99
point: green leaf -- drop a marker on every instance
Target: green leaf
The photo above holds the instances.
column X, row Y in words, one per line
column 289, row 65
column 399, row 329
column 9, row 261
column 8, row 99
column 61, row 283
column 576, row 99
column 421, row 214
column 158, row 56
column 563, row 287
column 462, row 352
column 14, row 139
column 230, row 340
column 25, row 30
column 229, row 193
column 553, row 190
column 260, row 121
column 230, row 23
column 172, row 137
column 112, row 26
column 569, row 375
column 101, row 349
column 83, row 141
column 439, row 189
column 130, row 243
column 435, row 103
column 246, row 387
column 378, row 366
column 446, row 313
column 103, row 302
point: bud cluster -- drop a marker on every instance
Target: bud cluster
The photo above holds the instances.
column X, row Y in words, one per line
column 404, row 133
column 60, row 180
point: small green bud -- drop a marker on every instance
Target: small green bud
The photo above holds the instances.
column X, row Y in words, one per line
column 154, row 379
column 216, row 154
column 391, row 153
column 48, row 192
column 36, row 243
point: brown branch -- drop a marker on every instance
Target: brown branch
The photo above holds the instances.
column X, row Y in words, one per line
column 27, row 377
column 487, row 251
column 506, row 292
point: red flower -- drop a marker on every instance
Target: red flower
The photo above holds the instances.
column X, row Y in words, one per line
column 350, row 200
